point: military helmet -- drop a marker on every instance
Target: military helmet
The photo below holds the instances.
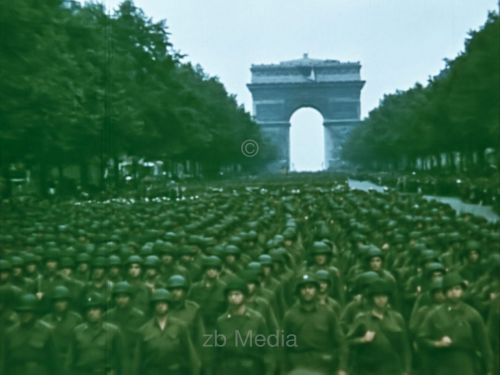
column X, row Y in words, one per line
column 232, row 250
column 433, row 267
column 379, row 287
column 453, row 279
column 99, row 262
column 52, row 254
column 16, row 261
column 374, row 252
column 236, row 284
column 305, row 279
column 265, row 260
column 323, row 275
column 134, row 259
column 363, row 280
column 161, row 295
column 250, row 276
column 83, row 258
column 255, row 266
column 67, row 262
column 94, row 299
column 177, row 281
column 436, row 284
column 60, row 292
column 5, row 265
column 114, row 261
column 122, row 287
column 320, row 248
column 152, row 261
column 212, row 261
column 27, row 302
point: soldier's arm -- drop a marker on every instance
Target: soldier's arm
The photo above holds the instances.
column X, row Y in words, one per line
column 405, row 345
column 482, row 341
column 427, row 332
column 193, row 361
column 119, row 352
column 340, row 341
column 3, row 354
column 52, row 357
column 70, row 358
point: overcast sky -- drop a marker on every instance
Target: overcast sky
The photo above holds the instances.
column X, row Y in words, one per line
column 397, row 42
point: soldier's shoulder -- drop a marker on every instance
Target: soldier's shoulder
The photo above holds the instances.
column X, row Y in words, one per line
column 110, row 327
column 12, row 329
column 81, row 327
column 138, row 313
column 177, row 322
column 75, row 316
column 43, row 325
column 192, row 305
column 254, row 314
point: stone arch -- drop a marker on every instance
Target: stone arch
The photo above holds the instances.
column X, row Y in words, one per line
column 331, row 87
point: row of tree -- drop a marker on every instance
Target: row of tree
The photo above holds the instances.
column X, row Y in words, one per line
column 452, row 122
column 81, row 86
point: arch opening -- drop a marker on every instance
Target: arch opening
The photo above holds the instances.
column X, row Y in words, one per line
column 307, row 141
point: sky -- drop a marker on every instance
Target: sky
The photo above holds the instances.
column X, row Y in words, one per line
column 397, row 42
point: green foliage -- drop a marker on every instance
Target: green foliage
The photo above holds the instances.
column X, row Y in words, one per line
column 78, row 84
column 457, row 111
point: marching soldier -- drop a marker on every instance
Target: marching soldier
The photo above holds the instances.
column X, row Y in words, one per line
column 165, row 345
column 97, row 347
column 454, row 334
column 236, row 332
column 378, row 338
column 63, row 319
column 29, row 347
column 126, row 317
column 320, row 343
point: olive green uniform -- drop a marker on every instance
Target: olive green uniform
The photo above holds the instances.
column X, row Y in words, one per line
column 29, row 350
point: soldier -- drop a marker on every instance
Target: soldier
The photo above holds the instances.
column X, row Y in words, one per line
column 418, row 317
column 28, row 347
column 186, row 310
column 63, row 319
column 96, row 347
column 454, row 334
column 168, row 265
column 322, row 254
column 209, row 292
column 258, row 303
column 82, row 272
column 359, row 302
column 320, row 344
column 378, row 337
column 98, row 282
column 324, row 278
column 8, row 317
column 152, row 279
column 237, row 352
column 114, row 269
column 126, row 317
column 165, row 345
column 140, row 292
column 17, row 276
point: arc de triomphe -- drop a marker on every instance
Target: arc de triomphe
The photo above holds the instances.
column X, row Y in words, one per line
column 329, row 86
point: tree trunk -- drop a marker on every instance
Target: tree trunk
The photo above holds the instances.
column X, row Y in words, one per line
column 116, row 172
column 43, row 188
column 84, row 174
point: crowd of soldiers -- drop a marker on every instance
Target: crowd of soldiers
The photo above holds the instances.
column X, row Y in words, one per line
column 483, row 191
column 296, row 277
